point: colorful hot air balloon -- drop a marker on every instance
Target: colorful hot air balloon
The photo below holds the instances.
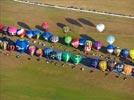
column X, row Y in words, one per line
column 66, row 56
column 54, row 39
column 97, row 45
column 39, row 52
column 131, row 54
column 36, row 33
column 103, row 65
column 94, row 62
column 110, row 65
column 75, row 43
column 127, row 69
column 21, row 32
column 82, row 41
column 110, row 49
column 47, row 51
column 31, row 50
column 5, row 29
column 29, row 33
column 88, row 46
column 119, row 67
column 76, row 59
column 11, row 46
column 100, row 27
column 59, row 56
column 110, row 39
column 66, row 29
column 12, row 30
column 45, row 26
column 21, row 45
column 124, row 53
column 67, row 39
column 117, row 51
column 46, row 36
column 1, row 27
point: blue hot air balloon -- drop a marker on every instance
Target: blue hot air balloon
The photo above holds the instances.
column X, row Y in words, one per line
column 47, row 51
column 36, row 32
column 110, row 39
column 110, row 48
column 94, row 62
column 124, row 53
column 21, row 45
column 46, row 36
column 29, row 33
column 119, row 67
column 59, row 56
column 82, row 41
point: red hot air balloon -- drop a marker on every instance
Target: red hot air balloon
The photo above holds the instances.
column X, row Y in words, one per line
column 75, row 43
column 1, row 27
column 45, row 26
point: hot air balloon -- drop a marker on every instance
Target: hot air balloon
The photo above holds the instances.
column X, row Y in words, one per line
column 21, row 32
column 127, row 69
column 67, row 39
column 133, row 71
column 131, row 54
column 82, row 41
column 46, row 36
column 21, row 45
column 11, row 46
column 66, row 56
column 97, row 45
column 76, row 59
column 119, row 67
column 117, row 51
column 100, row 27
column 47, row 51
column 52, row 55
column 110, row 65
column 12, row 30
column 88, row 46
column 5, row 29
column 59, row 56
column 31, row 50
column 110, row 48
column 110, row 39
column 124, row 53
column 45, row 26
column 36, row 33
column 103, row 65
column 94, row 62
column 29, row 33
column 5, row 44
column 39, row 52
column 54, row 39
column 75, row 43
column 66, row 29
column 1, row 27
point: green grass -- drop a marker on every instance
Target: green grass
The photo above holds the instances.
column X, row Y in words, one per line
column 34, row 80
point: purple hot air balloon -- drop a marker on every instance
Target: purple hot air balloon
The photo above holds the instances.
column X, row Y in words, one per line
column 97, row 45
column 12, row 30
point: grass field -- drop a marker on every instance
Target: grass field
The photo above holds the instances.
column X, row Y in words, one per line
column 114, row 6
column 23, row 79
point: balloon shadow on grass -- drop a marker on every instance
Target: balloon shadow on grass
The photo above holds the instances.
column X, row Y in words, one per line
column 24, row 25
column 86, row 22
column 39, row 27
column 73, row 22
column 85, row 36
column 61, row 25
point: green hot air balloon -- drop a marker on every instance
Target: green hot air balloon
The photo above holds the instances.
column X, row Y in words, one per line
column 67, row 39
column 76, row 59
column 66, row 56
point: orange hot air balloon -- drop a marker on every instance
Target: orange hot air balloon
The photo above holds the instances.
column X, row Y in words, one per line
column 127, row 69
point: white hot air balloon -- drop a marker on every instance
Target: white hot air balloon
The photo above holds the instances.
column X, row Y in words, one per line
column 100, row 27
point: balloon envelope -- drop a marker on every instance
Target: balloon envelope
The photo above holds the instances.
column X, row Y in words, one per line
column 131, row 53
column 117, row 51
column 102, row 65
column 21, row 32
column 12, row 30
column 59, row 56
column 65, row 56
column 119, row 67
column 47, row 35
column 67, row 39
column 76, row 59
column 75, row 43
column 110, row 48
column 124, row 53
column 39, row 52
column 110, row 39
column 45, row 25
column 100, row 27
column 54, row 39
column 94, row 62
column 47, row 51
column 29, row 33
column 82, row 41
column 97, row 45
column 127, row 69
column 31, row 50
column 21, row 45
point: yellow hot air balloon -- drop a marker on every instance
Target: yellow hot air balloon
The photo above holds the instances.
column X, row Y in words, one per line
column 103, row 65
column 127, row 69
column 131, row 54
